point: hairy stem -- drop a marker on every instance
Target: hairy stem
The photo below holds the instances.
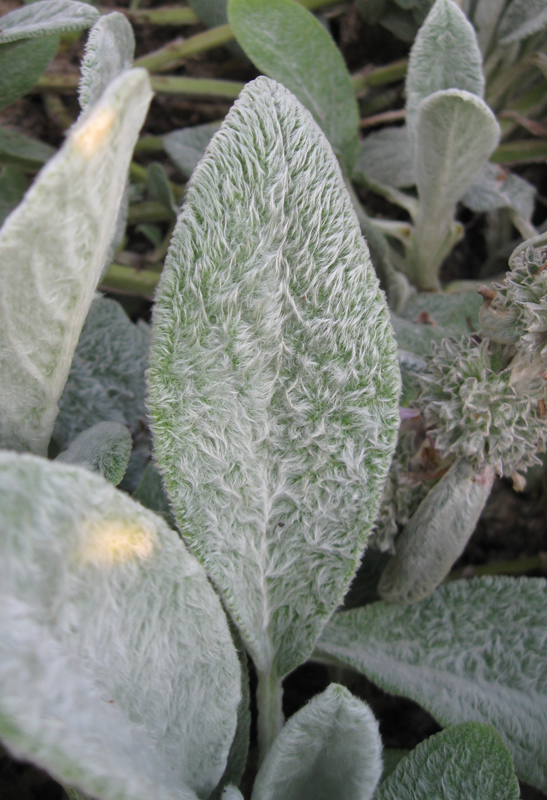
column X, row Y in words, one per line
column 269, row 694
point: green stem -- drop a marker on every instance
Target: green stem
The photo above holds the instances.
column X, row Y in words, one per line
column 128, row 280
column 150, row 211
column 169, row 15
column 527, row 151
column 149, row 144
column 269, row 695
column 516, row 567
column 174, row 53
column 196, row 87
column 380, row 76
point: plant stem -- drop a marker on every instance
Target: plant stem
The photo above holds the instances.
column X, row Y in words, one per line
column 174, row 53
column 169, row 15
column 269, row 694
column 128, row 280
column 150, row 211
column 380, row 76
column 516, row 567
column 162, row 84
column 149, row 144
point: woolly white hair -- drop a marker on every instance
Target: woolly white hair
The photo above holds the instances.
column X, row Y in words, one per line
column 273, row 381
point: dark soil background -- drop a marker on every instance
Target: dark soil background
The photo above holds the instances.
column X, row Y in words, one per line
column 511, row 537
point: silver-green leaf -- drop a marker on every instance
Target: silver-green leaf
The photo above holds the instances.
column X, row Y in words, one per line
column 187, row 146
column 45, row 18
column 105, row 448
column 109, row 51
column 331, row 748
column 286, row 42
column 445, row 55
column 47, row 279
column 467, row 761
column 386, row 157
column 521, row 19
column 474, row 650
column 273, row 379
column 117, row 671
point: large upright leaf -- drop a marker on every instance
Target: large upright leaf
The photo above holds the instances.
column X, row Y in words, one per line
column 273, row 378
column 521, row 19
column 109, row 51
column 117, row 670
column 329, row 749
column 52, row 250
column 445, row 55
column 474, row 650
column 286, row 42
column 45, row 18
column 22, row 63
column 468, row 761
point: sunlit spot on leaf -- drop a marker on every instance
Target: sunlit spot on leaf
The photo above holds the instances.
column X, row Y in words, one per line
column 109, row 543
column 89, row 138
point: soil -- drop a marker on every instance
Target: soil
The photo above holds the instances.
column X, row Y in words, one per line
column 513, row 527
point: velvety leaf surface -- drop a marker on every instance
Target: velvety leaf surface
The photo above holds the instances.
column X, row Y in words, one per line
column 474, row 650
column 105, row 448
column 47, row 280
column 273, row 379
column 118, row 672
column 16, row 148
column 286, row 42
column 495, row 188
column 521, row 19
column 109, row 51
column 187, row 146
column 445, row 55
column 386, row 157
column 331, row 748
column 466, row 761
column 22, row 63
column 46, row 17
column 150, row 493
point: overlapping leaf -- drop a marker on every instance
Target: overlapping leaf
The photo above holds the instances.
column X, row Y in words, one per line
column 46, row 17
column 273, row 379
column 109, row 51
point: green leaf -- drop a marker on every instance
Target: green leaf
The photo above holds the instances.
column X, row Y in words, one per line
column 466, row 761
column 496, row 188
column 391, row 757
column 273, row 380
column 211, row 12
column 117, row 671
column 445, row 55
column 47, row 279
column 21, row 150
column 436, row 534
column 13, row 185
column 370, row 11
column 105, row 448
column 386, row 157
column 474, row 650
column 231, row 793
column 45, row 18
column 108, row 366
column 286, row 42
column 485, row 18
column 160, row 189
column 150, row 493
column 22, row 63
column 521, row 19
column 331, row 748
column 109, row 51
column 187, row 146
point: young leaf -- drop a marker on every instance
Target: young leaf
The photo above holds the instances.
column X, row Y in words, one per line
column 495, row 188
column 117, row 671
column 105, row 448
column 109, row 51
column 436, row 535
column 273, row 380
column 331, row 748
column 445, row 55
column 46, row 17
column 22, row 63
column 466, row 761
column 21, row 150
column 47, row 280
column 521, row 19
column 187, row 146
column 474, row 650
column 386, row 157
column 286, row 42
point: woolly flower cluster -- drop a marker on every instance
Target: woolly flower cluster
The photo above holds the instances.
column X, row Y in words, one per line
column 473, row 410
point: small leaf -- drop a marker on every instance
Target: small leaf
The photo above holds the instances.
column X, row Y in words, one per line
column 159, row 187
column 71, row 210
column 474, row 650
column 187, row 146
column 286, row 42
column 466, row 761
column 105, row 448
column 331, row 748
column 150, row 493
column 386, row 157
column 45, row 18
column 436, row 535
column 109, row 51
column 445, row 55
column 273, row 379
column 21, row 150
column 22, row 63
column 521, row 19
column 495, row 188
column 13, row 185
column 118, row 673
